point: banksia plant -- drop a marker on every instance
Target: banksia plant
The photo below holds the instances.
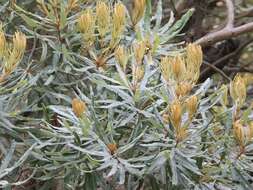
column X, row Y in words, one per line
column 96, row 96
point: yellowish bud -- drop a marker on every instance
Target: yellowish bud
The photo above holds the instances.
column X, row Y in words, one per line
column 192, row 105
column 138, row 73
column 86, row 25
column 194, row 54
column 176, row 114
column 121, row 56
column 194, row 58
column 17, row 52
column 139, row 51
column 242, row 133
column 239, row 132
column 166, row 69
column 238, row 90
column 112, row 148
column 183, row 89
column 178, row 68
column 2, row 42
column 72, row 4
column 181, row 133
column 138, row 11
column 19, row 42
column 78, row 107
column 103, row 18
column 119, row 19
column 251, row 129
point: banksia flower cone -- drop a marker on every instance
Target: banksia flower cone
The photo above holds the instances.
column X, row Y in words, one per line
column 138, row 10
column 238, row 90
column 178, row 68
column 78, row 107
column 103, row 18
column 139, row 51
column 194, row 58
column 176, row 114
column 112, row 147
column 2, row 42
column 242, row 133
column 86, row 25
column 183, row 89
column 191, row 105
column 119, row 19
column 16, row 54
column 121, row 56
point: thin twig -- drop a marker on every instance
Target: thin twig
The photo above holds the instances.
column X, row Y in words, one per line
column 217, row 70
column 227, row 57
column 230, row 14
column 228, row 31
column 173, row 6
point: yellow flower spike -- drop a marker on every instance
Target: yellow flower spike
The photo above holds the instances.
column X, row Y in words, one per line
column 121, row 56
column 178, row 68
column 112, row 148
column 139, row 49
column 2, row 42
column 183, row 89
column 119, row 19
column 166, row 69
column 238, row 90
column 17, row 52
column 78, row 107
column 72, row 4
column 138, row 73
column 181, row 134
column 192, row 105
column 138, row 11
column 176, row 114
column 239, row 133
column 194, row 58
column 251, row 129
column 86, row 25
column 19, row 42
column 103, row 18
column 194, row 54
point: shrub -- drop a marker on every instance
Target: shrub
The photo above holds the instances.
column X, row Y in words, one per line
column 94, row 96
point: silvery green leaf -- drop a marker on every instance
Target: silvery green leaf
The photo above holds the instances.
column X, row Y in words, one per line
column 159, row 161
column 173, row 166
column 177, row 27
column 6, row 161
column 158, row 15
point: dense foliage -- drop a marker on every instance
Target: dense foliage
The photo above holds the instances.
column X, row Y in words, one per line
column 96, row 96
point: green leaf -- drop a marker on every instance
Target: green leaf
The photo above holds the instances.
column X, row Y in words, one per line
column 29, row 21
column 177, row 27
